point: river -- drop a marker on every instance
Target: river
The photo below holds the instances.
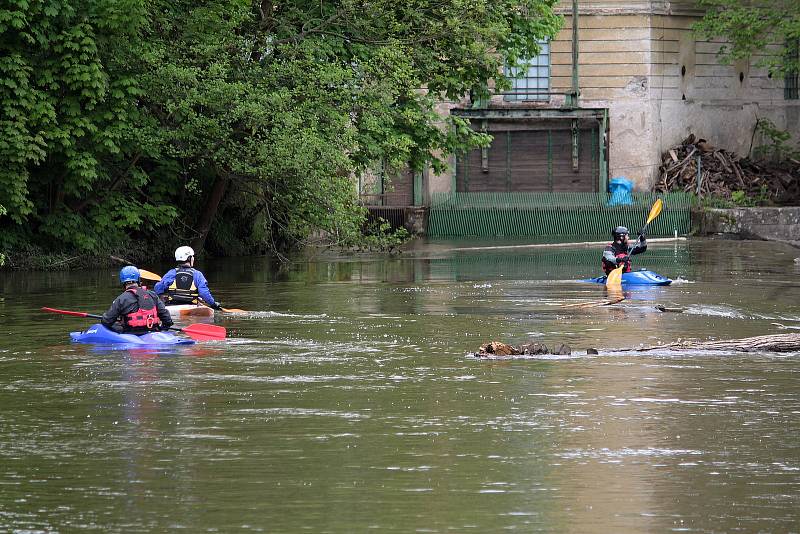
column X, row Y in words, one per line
column 348, row 400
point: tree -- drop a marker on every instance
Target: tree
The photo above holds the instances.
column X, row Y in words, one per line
column 754, row 27
column 248, row 119
column 68, row 114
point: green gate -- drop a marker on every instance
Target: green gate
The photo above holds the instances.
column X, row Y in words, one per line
column 561, row 214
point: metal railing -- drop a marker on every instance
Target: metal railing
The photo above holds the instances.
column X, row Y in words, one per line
column 543, row 215
column 386, row 199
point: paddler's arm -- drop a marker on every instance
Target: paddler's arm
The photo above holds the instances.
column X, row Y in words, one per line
column 163, row 284
column 202, row 289
column 608, row 255
column 112, row 314
column 641, row 246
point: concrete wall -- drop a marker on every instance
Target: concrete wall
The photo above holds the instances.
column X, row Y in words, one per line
column 641, row 60
column 673, row 86
column 773, row 224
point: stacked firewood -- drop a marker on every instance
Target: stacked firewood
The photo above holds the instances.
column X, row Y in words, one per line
column 722, row 172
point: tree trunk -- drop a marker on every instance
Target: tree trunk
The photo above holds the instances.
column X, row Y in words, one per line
column 773, row 343
column 209, row 212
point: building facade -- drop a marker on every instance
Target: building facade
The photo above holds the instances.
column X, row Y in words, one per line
column 645, row 82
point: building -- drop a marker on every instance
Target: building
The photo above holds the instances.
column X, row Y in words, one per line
column 644, row 83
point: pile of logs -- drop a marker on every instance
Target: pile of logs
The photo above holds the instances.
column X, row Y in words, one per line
column 722, row 172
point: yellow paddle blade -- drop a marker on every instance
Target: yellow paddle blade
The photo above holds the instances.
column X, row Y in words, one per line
column 614, row 278
column 147, row 275
column 658, row 205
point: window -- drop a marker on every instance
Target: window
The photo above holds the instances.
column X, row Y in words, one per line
column 791, row 89
column 531, row 81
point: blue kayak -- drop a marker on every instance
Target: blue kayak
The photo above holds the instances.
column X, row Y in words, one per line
column 643, row 277
column 99, row 334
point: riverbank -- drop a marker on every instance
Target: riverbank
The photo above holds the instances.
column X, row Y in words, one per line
column 36, row 258
column 781, row 224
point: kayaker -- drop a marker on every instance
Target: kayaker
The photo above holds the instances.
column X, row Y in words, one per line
column 137, row 310
column 618, row 252
column 184, row 284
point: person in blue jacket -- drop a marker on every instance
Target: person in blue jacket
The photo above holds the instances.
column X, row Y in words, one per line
column 184, row 284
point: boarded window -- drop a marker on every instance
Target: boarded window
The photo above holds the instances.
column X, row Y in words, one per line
column 527, row 157
column 531, row 80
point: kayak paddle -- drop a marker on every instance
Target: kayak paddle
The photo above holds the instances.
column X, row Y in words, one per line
column 614, row 279
column 197, row 331
column 226, row 310
column 658, row 205
column 147, row 275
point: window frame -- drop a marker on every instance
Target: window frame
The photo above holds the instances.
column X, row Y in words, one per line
column 522, row 89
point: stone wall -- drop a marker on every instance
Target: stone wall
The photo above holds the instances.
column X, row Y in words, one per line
column 771, row 224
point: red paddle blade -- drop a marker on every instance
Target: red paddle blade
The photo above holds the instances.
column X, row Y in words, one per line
column 204, row 332
column 65, row 312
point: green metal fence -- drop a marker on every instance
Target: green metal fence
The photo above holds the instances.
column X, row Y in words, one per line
column 584, row 215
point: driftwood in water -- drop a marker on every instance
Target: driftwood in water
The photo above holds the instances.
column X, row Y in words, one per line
column 612, row 299
column 773, row 343
column 496, row 348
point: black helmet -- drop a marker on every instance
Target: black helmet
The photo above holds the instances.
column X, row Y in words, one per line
column 618, row 231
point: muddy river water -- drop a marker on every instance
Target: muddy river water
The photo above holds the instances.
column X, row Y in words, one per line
column 348, row 401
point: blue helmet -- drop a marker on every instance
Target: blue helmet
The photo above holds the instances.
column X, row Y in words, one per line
column 129, row 274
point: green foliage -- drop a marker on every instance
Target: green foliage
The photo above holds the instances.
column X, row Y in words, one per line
column 738, row 199
column 753, row 28
column 379, row 236
column 712, row 201
column 69, row 112
column 743, row 199
column 779, row 146
column 120, row 119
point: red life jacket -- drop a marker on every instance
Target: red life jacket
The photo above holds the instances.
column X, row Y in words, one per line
column 607, row 267
column 147, row 314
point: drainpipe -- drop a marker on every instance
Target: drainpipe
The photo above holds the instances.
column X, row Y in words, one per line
column 572, row 96
column 572, row 99
column 602, row 145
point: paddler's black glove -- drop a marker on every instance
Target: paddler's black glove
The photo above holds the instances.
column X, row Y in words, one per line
column 164, row 326
column 622, row 260
column 217, row 306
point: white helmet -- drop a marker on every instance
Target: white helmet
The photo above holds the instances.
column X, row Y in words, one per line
column 183, row 253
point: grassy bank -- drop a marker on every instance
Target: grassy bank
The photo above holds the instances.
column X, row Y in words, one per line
column 32, row 257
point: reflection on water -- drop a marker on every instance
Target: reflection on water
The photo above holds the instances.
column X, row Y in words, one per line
column 350, row 383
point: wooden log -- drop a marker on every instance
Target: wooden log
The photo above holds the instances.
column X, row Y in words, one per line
column 771, row 343
column 684, row 162
column 673, row 155
column 738, row 172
